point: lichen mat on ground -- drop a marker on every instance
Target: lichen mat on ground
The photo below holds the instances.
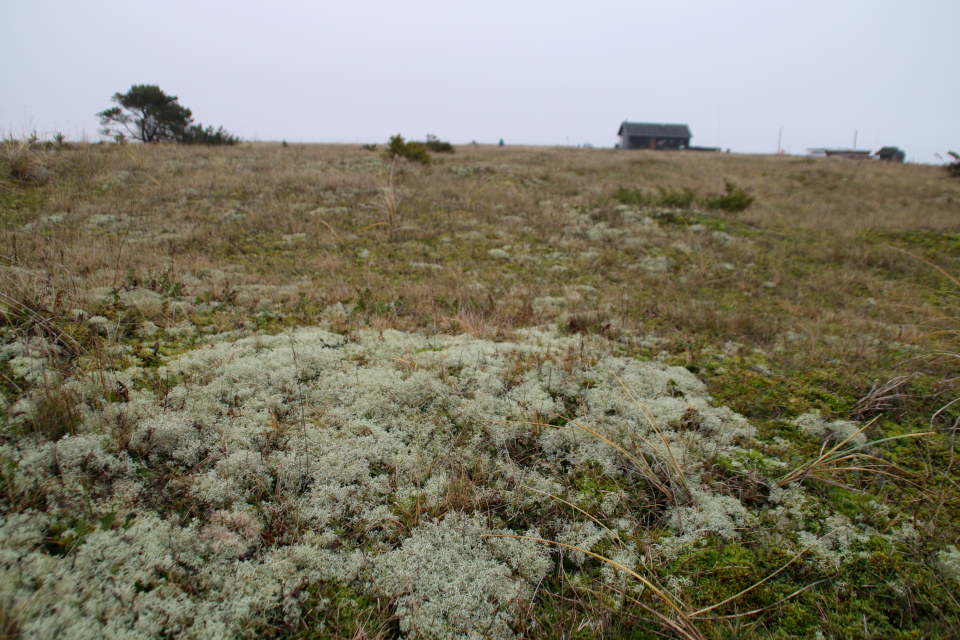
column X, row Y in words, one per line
column 380, row 463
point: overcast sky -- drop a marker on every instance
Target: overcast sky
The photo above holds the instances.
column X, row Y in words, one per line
column 531, row 72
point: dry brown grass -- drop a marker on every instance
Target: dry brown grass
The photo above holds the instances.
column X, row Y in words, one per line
column 9, row 624
column 306, row 226
column 24, row 161
column 250, row 212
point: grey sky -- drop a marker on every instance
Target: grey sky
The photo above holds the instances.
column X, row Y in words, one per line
column 531, row 72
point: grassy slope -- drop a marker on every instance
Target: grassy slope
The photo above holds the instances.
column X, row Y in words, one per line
column 813, row 298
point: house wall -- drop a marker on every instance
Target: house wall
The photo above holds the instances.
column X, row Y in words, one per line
column 647, row 142
column 673, row 143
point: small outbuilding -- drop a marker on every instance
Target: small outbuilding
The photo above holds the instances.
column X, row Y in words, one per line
column 648, row 135
column 892, row 154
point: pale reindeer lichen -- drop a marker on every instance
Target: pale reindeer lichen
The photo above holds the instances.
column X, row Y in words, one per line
column 270, row 462
column 449, row 583
column 837, row 431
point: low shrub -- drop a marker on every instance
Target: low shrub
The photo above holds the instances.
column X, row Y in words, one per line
column 667, row 197
column 197, row 134
column 415, row 151
column 636, row 197
column 682, row 199
column 733, row 199
column 438, row 146
column 953, row 168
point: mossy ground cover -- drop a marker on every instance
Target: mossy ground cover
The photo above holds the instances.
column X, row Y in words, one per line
column 830, row 293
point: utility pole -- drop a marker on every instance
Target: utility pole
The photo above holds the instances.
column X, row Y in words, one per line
column 719, row 121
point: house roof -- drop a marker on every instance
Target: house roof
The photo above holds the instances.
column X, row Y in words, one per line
column 651, row 129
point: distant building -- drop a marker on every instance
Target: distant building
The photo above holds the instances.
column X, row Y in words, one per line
column 892, row 154
column 851, row 154
column 647, row 135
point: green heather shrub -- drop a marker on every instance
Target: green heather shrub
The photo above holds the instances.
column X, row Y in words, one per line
column 415, row 151
column 733, row 199
column 438, row 146
column 682, row 199
column 637, row 197
column 197, row 134
column 666, row 197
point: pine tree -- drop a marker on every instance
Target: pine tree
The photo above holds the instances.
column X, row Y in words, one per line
column 147, row 114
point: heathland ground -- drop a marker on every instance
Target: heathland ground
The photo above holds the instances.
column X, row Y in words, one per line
column 304, row 391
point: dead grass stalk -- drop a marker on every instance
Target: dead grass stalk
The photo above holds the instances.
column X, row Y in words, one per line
column 840, row 460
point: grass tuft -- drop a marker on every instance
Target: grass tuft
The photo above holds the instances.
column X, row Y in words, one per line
column 25, row 161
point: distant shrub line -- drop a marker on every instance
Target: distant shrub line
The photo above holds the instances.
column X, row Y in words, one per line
column 733, row 199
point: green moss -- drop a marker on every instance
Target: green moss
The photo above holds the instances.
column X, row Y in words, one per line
column 19, row 203
column 328, row 610
column 757, row 396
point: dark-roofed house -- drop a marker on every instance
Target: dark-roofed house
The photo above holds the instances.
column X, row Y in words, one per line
column 647, row 135
column 892, row 154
